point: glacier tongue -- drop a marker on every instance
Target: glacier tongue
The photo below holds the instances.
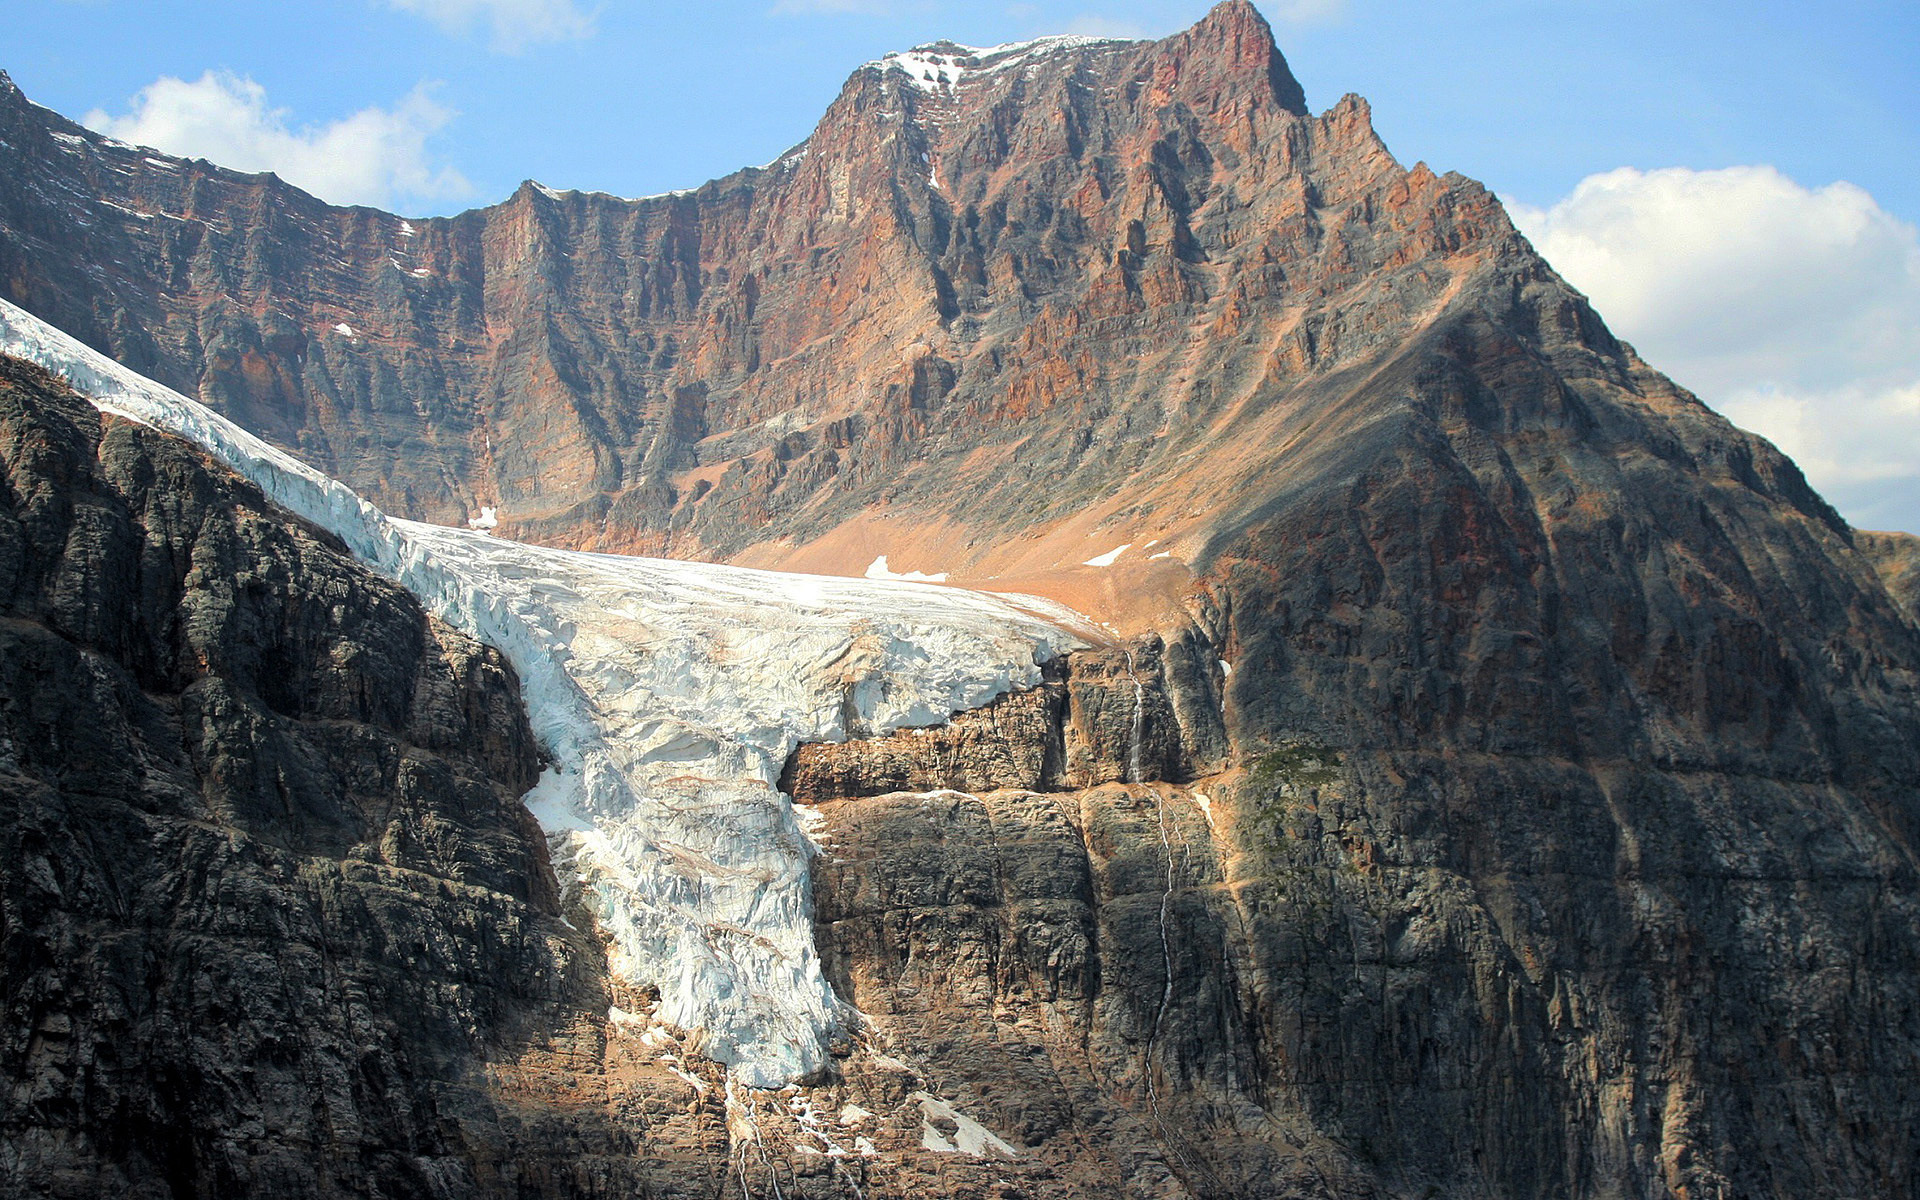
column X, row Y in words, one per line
column 667, row 695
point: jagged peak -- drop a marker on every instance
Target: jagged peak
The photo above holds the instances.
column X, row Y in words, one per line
column 1233, row 32
column 1350, row 122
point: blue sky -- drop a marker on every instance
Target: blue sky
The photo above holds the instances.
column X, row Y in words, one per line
column 639, row 98
column 1672, row 159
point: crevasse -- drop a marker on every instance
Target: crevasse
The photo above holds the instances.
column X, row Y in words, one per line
column 666, row 696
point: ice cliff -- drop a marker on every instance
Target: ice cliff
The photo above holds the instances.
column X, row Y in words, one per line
column 667, row 695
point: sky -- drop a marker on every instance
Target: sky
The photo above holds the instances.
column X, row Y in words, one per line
column 1734, row 184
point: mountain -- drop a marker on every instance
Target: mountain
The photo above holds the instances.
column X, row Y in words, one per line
column 1504, row 775
column 1084, row 262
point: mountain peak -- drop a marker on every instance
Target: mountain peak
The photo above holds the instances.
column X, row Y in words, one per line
column 1232, row 37
column 1234, row 34
column 941, row 65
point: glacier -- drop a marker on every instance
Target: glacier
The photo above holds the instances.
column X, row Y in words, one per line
column 666, row 696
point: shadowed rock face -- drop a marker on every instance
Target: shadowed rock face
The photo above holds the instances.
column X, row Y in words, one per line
column 1553, row 831
column 271, row 904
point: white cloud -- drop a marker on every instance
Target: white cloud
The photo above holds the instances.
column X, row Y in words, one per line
column 371, row 157
column 515, row 24
column 1794, row 310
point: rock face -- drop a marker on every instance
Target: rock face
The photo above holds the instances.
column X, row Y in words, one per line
column 1531, row 758
column 1101, row 716
column 274, row 921
column 243, row 784
column 1897, row 557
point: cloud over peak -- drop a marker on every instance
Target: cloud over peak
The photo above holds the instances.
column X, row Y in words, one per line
column 373, row 156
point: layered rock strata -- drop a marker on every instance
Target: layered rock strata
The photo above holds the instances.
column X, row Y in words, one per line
column 1100, row 716
column 271, row 901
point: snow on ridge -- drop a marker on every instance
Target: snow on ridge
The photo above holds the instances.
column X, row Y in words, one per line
column 939, row 65
column 789, row 157
column 562, row 195
column 667, row 695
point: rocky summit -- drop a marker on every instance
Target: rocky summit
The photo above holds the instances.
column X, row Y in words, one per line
column 1493, row 774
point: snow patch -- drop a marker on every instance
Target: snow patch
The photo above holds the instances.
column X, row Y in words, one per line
column 877, row 569
column 137, row 215
column 940, row 66
column 699, row 1084
column 406, row 229
column 345, row 330
column 791, row 158
column 489, row 518
column 666, row 696
column 622, row 1019
column 658, row 1037
column 1110, row 557
column 970, row 1138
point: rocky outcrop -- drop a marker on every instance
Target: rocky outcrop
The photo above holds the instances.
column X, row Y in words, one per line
column 1896, row 556
column 1103, row 715
column 272, row 910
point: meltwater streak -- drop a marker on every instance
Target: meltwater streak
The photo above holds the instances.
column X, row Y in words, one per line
column 667, row 695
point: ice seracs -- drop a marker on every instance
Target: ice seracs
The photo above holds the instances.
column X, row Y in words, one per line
column 667, row 696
